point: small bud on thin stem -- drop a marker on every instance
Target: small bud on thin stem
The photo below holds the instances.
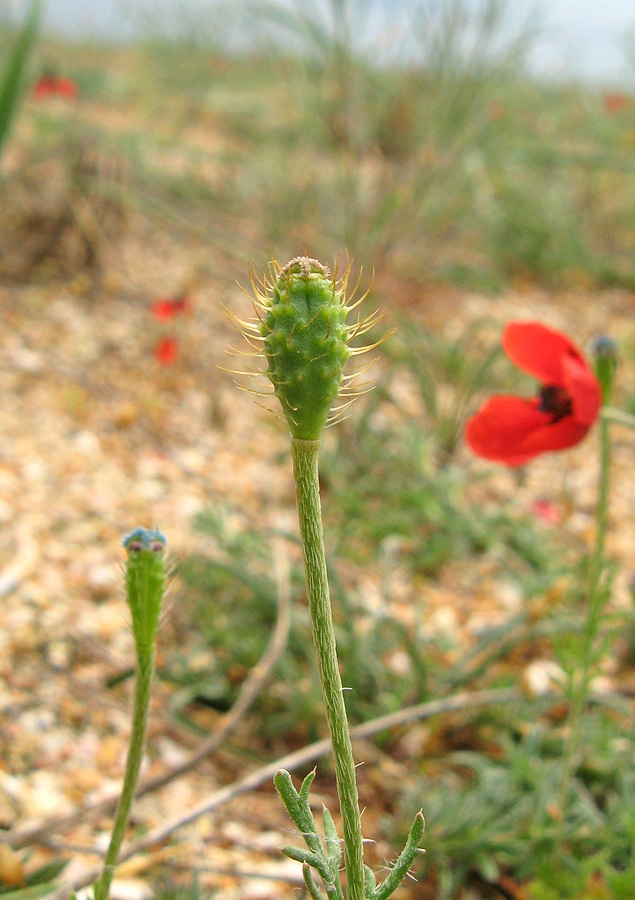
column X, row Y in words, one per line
column 145, row 584
column 606, row 359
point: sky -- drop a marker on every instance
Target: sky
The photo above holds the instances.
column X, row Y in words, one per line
column 580, row 39
column 586, row 38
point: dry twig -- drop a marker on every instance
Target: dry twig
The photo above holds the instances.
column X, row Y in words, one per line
column 291, row 762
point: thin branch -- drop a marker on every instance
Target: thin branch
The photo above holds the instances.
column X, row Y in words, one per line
column 619, row 416
column 234, row 872
column 291, row 762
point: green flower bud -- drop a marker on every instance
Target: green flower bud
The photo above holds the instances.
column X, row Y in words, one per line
column 145, row 583
column 304, row 336
column 305, row 346
column 606, row 360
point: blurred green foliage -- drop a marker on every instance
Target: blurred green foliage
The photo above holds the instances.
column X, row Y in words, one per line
column 14, row 60
column 493, row 814
column 453, row 162
column 168, row 888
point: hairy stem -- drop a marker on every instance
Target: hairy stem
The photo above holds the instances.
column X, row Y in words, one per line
column 143, row 682
column 305, row 470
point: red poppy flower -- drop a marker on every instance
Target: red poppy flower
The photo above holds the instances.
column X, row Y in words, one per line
column 54, row 86
column 513, row 430
column 495, row 110
column 168, row 308
column 167, row 351
column 546, row 510
column 66, row 87
column 616, row 102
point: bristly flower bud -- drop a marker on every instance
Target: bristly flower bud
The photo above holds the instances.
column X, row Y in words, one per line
column 145, row 583
column 305, row 345
column 304, row 336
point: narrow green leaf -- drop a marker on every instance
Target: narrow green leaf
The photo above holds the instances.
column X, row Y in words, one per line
column 309, row 859
column 298, row 808
column 370, row 882
column 306, row 786
column 406, row 859
column 309, row 881
column 12, row 76
column 303, row 856
column 46, row 873
column 31, row 893
column 333, row 846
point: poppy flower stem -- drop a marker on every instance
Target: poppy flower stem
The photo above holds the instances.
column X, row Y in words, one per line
column 597, row 596
column 305, row 471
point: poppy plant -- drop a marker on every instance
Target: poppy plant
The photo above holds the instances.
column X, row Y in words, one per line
column 546, row 510
column 168, row 308
column 167, row 351
column 615, row 103
column 54, row 86
column 513, row 430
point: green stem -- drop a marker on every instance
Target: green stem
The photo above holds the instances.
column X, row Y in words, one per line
column 602, row 515
column 597, row 599
column 305, row 470
column 145, row 670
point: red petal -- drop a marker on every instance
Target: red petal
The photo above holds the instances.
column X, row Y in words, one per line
column 167, row 351
column 43, row 87
column 615, row 102
column 561, row 435
column 50, row 85
column 162, row 310
column 501, row 426
column 584, row 390
column 512, row 430
column 168, row 308
column 540, row 351
column 545, row 509
column 65, row 87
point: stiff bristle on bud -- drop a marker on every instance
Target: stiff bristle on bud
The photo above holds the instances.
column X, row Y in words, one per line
column 303, row 334
column 145, row 582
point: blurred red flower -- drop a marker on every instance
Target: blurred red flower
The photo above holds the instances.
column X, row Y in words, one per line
column 513, row 430
column 54, row 86
column 495, row 110
column 545, row 509
column 615, row 102
column 168, row 308
column 167, row 351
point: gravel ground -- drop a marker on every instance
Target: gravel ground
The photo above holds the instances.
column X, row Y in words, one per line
column 97, row 438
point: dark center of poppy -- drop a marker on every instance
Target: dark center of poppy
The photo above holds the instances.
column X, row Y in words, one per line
column 555, row 400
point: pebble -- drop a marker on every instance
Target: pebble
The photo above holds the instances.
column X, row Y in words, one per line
column 101, row 579
column 542, row 676
column 130, row 889
column 41, row 796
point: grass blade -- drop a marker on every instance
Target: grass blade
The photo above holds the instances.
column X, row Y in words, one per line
column 12, row 75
